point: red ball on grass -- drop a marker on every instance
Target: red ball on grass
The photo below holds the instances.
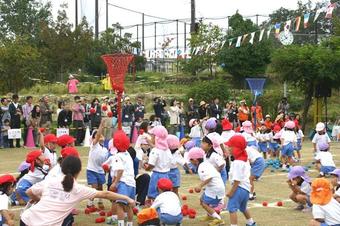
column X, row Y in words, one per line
column 184, row 197
column 192, row 216
column 279, row 203
column 100, row 220
column 109, row 214
column 87, row 211
column 102, row 213
column 191, row 190
column 185, row 207
column 135, row 210
column 104, row 108
column 185, row 212
column 265, row 203
column 197, row 190
column 110, row 114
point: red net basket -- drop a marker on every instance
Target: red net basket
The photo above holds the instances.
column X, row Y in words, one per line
column 117, row 66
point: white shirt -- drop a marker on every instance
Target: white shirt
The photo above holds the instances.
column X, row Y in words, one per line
column 196, row 131
column 226, row 135
column 289, row 137
column 215, row 188
column 320, row 139
column 55, row 172
column 337, row 192
column 177, row 158
column 240, row 171
column 262, row 137
column 253, row 154
column 53, row 197
column 248, row 137
column 329, row 212
column 97, row 156
column 51, row 155
column 300, row 134
column 160, row 159
column 4, row 201
column 34, row 177
column 168, row 202
column 306, row 188
column 216, row 160
column 271, row 138
column 325, row 158
column 123, row 161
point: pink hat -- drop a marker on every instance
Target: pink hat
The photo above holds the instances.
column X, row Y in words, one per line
column 173, row 142
column 247, row 127
column 211, row 124
column 190, row 144
column 161, row 135
column 214, row 140
column 196, row 153
column 290, row 124
column 191, row 122
column 113, row 150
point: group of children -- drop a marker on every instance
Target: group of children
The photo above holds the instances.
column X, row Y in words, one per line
column 213, row 150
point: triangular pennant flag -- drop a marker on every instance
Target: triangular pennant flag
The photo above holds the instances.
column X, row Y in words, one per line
column 329, row 12
column 244, row 38
column 288, row 26
column 305, row 20
column 238, row 43
column 277, row 29
column 252, row 37
column 297, row 23
column 222, row 44
column 269, row 30
column 231, row 41
column 261, row 35
column 317, row 14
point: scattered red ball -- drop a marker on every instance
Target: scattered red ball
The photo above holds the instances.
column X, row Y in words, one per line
column 106, row 167
column 264, row 203
column 192, row 216
column 110, row 114
column 92, row 111
column 192, row 211
column 184, row 197
column 42, row 130
column 185, row 212
column 191, row 190
column 279, row 203
column 197, row 190
column 102, row 213
column 87, row 211
column 93, row 209
column 100, row 220
column 135, row 211
column 104, row 108
column 185, row 207
column 109, row 214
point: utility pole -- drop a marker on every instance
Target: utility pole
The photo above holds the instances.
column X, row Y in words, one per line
column 143, row 46
column 193, row 17
column 96, row 19
column 76, row 14
column 107, row 14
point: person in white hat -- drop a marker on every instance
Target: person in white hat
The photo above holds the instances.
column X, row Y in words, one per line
column 320, row 136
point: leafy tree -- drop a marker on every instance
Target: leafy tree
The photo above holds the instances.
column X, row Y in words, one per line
column 305, row 67
column 248, row 60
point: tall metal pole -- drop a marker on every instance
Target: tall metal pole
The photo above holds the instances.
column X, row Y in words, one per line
column 257, row 20
column 193, row 16
column 177, row 45
column 107, row 14
column 185, row 38
column 155, row 36
column 76, row 13
column 96, row 19
column 143, row 46
column 138, row 39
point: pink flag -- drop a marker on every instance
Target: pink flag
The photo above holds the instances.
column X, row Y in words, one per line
column 297, row 23
column 329, row 12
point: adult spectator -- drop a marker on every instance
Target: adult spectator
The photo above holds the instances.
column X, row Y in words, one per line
column 65, row 117
column 86, row 113
column 192, row 112
column 202, row 110
column 159, row 109
column 33, row 121
column 96, row 115
column 175, row 110
column 215, row 109
column 46, row 114
column 78, row 120
column 128, row 111
column 256, row 111
column 283, row 106
column 26, row 110
column 139, row 109
column 4, row 115
column 61, row 106
column 231, row 113
column 72, row 85
column 15, row 110
column 243, row 111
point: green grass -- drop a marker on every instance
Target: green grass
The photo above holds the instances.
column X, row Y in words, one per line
column 271, row 188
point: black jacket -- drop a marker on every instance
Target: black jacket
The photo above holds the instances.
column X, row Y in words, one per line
column 64, row 119
column 15, row 117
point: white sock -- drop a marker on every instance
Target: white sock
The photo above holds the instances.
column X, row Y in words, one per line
column 251, row 195
column 233, row 225
column 215, row 215
column 250, row 221
column 90, row 202
column 129, row 224
column 121, row 222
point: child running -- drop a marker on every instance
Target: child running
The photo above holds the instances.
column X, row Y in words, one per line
column 320, row 136
column 324, row 160
column 258, row 166
column 288, row 141
column 6, row 188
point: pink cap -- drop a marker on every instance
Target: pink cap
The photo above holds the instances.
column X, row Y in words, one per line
column 196, row 153
column 173, row 142
column 191, row 122
column 290, row 124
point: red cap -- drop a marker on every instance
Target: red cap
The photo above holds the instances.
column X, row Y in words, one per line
column 164, row 184
column 7, row 178
column 50, row 138
column 64, row 140
column 226, row 125
column 238, row 144
column 121, row 141
column 69, row 151
column 277, row 128
column 32, row 156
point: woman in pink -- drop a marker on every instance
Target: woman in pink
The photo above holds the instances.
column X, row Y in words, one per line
column 57, row 197
column 72, row 85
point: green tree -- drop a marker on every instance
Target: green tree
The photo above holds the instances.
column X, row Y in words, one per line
column 305, row 67
column 18, row 62
column 248, row 60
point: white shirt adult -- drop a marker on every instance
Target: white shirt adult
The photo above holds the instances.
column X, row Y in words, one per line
column 160, row 159
column 97, row 156
column 330, row 212
column 123, row 161
column 240, row 171
column 168, row 202
column 324, row 138
column 325, row 158
column 215, row 188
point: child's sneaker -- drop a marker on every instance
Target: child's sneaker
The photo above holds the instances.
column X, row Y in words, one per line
column 216, row 222
column 299, row 207
column 307, row 210
column 254, row 224
column 111, row 221
column 206, row 218
column 252, row 196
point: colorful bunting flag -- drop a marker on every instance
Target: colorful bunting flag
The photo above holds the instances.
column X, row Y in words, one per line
column 277, row 29
column 269, row 30
column 252, row 35
column 244, row 38
column 297, row 23
column 305, row 20
column 287, row 26
column 329, row 12
column 317, row 14
column 238, row 43
column 231, row 41
column 261, row 35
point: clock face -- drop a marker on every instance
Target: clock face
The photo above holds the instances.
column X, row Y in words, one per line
column 286, row 38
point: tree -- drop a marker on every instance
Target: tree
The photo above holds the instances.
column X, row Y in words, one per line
column 207, row 40
column 248, row 60
column 305, row 67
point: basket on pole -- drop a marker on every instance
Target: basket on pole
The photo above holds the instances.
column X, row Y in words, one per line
column 117, row 65
column 256, row 87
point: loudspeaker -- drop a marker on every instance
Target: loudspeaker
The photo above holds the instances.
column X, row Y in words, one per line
column 322, row 90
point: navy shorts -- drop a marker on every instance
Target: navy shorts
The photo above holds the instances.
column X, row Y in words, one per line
column 238, row 201
column 95, row 178
column 21, row 189
column 287, row 150
column 213, row 202
column 263, row 146
column 127, row 190
column 175, row 177
column 327, row 169
column 274, row 146
column 155, row 176
column 298, row 145
column 169, row 219
column 258, row 167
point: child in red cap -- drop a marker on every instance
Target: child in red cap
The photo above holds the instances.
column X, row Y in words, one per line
column 167, row 204
column 48, row 145
column 37, row 173
column 6, row 188
column 239, row 176
column 65, row 141
column 122, row 171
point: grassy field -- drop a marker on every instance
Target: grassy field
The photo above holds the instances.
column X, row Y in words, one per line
column 271, row 188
